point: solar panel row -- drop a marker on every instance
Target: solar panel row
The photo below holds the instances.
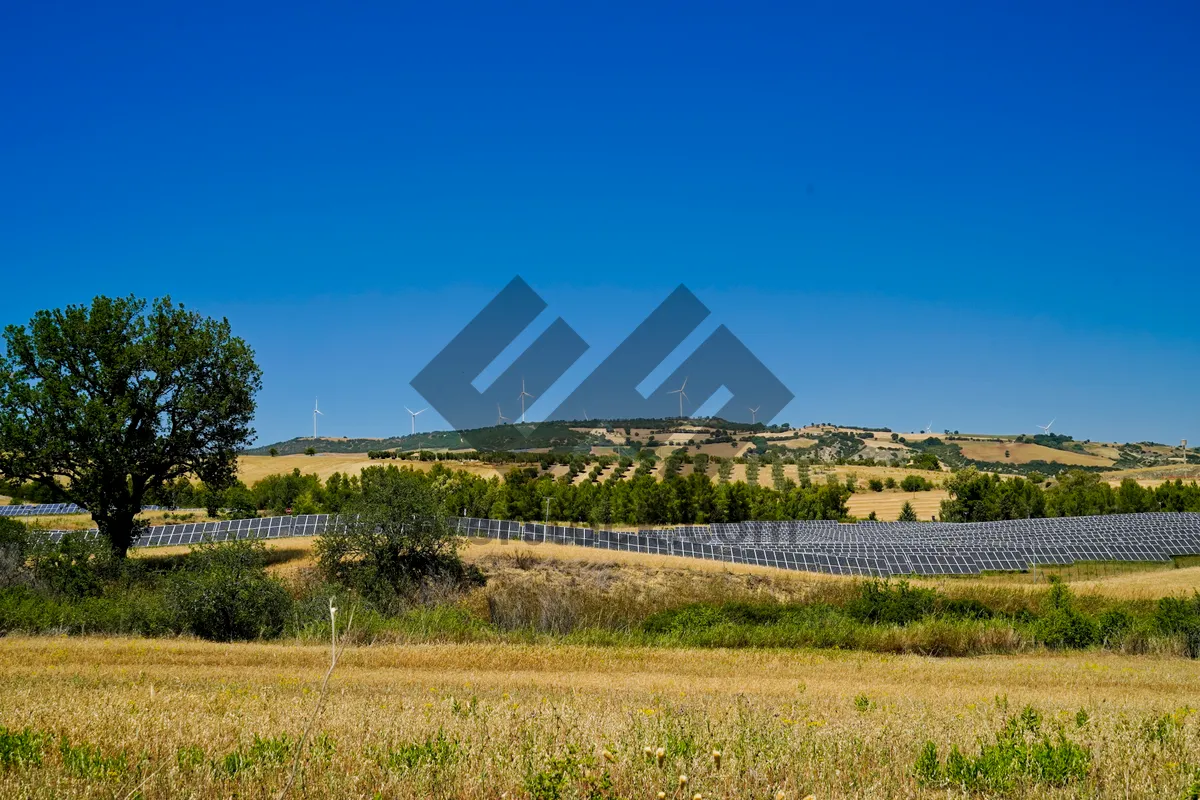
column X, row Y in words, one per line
column 53, row 509
column 880, row 549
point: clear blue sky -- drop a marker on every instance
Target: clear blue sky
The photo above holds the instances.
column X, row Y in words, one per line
column 981, row 216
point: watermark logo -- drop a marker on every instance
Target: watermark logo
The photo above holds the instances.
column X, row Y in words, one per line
column 720, row 363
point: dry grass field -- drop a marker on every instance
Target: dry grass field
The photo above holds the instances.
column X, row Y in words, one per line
column 255, row 468
column 182, row 718
column 1024, row 452
column 887, row 505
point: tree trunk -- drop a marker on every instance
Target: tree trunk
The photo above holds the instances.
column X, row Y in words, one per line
column 120, row 530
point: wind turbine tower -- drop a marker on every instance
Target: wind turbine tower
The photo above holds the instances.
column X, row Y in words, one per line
column 316, row 413
column 754, row 415
column 500, row 418
column 522, row 397
column 414, row 414
column 682, row 395
column 1046, row 428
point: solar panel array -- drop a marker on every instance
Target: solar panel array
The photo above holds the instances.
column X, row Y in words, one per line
column 866, row 548
column 48, row 509
column 891, row 548
column 225, row 530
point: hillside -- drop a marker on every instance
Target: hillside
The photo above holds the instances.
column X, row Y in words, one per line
column 815, row 444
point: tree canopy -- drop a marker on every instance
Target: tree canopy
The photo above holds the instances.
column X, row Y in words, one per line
column 106, row 402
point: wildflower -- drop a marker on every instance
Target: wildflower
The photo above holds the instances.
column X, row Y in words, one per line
column 659, row 755
column 682, row 781
column 647, row 751
column 717, row 758
column 609, row 757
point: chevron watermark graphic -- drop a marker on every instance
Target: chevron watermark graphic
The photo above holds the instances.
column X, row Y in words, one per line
column 720, row 363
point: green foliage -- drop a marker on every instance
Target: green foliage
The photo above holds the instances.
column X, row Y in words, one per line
column 928, row 767
column 261, row 753
column 915, row 483
column 907, row 513
column 224, row 593
column 888, row 603
column 434, row 752
column 21, row 748
column 926, row 460
column 977, row 497
column 73, row 567
column 90, row 762
column 553, row 781
column 1020, row 753
column 123, row 398
column 875, row 485
column 1113, row 625
column 1062, row 625
column 394, row 536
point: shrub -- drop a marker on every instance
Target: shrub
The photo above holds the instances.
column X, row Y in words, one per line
column 1062, row 625
column 875, row 484
column 396, row 535
column 915, row 483
column 73, row 567
column 223, row 592
column 1113, row 625
column 898, row 604
column 889, row 483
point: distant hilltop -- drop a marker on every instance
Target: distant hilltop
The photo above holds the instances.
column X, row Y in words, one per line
column 828, row 443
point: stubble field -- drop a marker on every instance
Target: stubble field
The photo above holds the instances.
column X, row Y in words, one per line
column 182, row 718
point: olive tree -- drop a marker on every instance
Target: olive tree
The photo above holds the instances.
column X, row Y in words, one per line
column 106, row 402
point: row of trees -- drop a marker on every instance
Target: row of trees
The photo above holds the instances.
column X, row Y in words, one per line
column 528, row 495
column 981, row 497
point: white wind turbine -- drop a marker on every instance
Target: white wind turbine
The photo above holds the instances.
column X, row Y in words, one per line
column 414, row 414
column 316, row 412
column 682, row 395
column 522, row 397
column 500, row 418
column 1046, row 428
column 754, row 415
column 929, row 427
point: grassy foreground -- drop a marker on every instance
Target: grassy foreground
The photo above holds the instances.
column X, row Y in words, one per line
column 91, row 717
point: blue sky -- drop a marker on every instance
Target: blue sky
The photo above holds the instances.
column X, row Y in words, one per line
column 984, row 217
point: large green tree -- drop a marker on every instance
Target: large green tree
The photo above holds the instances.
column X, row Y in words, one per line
column 104, row 402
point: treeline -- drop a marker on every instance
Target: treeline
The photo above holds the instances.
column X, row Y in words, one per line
column 527, row 495
column 980, row 497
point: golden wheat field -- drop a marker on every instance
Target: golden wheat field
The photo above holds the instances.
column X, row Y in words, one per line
column 1024, row 452
column 887, row 505
column 181, row 718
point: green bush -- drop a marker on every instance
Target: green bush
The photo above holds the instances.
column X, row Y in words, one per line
column 1113, row 625
column 915, row 483
column 76, row 566
column 1062, row 625
column 1020, row 752
column 896, row 604
column 875, row 484
column 223, row 592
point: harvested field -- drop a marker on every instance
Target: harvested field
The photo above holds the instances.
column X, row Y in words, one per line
column 173, row 718
column 1024, row 452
